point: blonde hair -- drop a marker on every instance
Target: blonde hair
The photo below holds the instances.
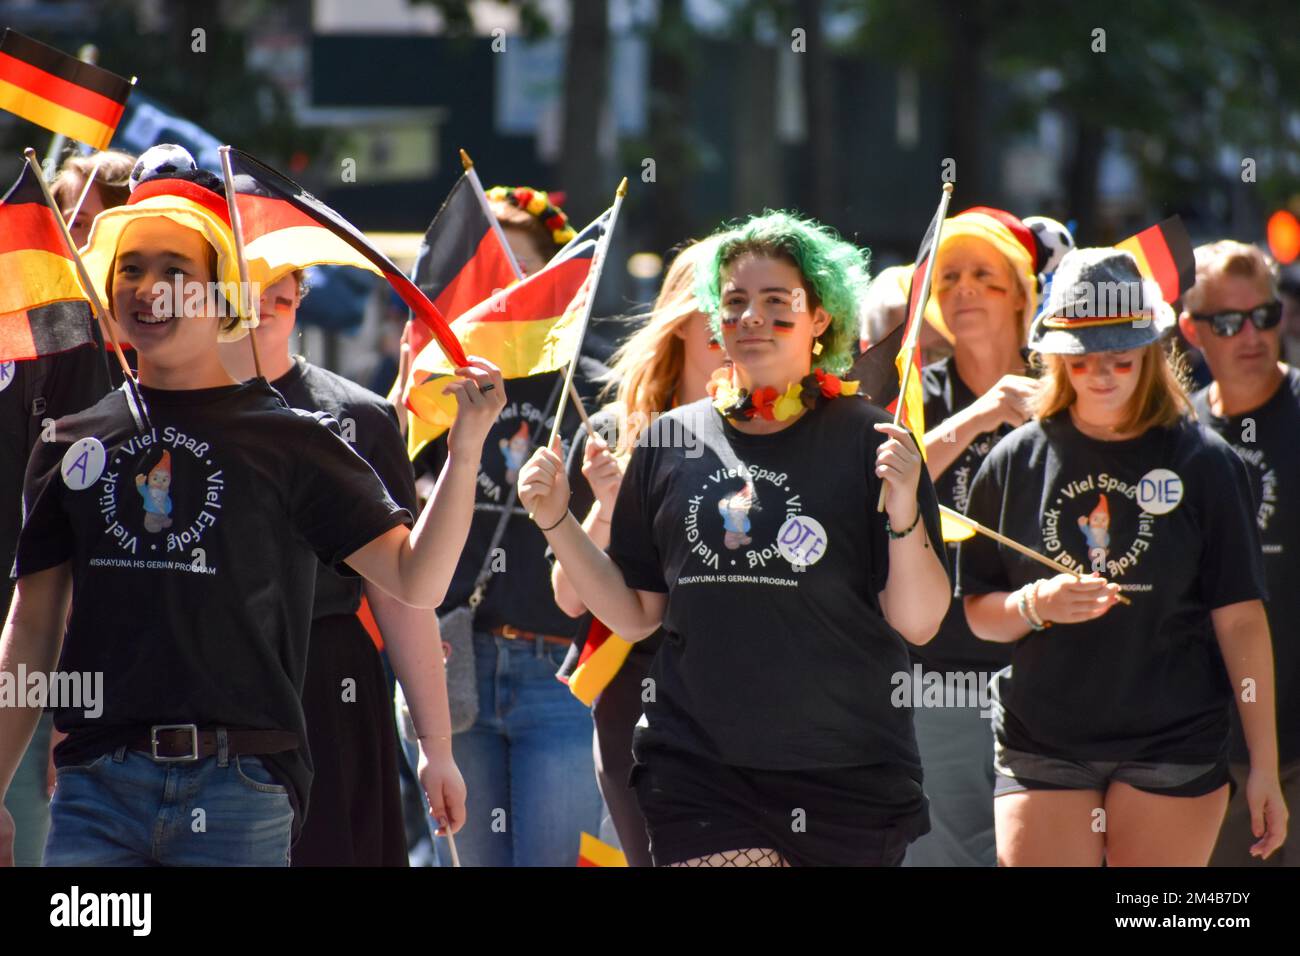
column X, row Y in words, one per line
column 1232, row 258
column 112, row 178
column 647, row 368
column 1159, row 400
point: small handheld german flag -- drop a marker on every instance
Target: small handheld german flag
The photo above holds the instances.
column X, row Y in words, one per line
column 43, row 307
column 49, row 88
column 1164, row 255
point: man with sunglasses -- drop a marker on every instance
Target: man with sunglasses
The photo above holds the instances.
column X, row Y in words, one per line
column 1232, row 314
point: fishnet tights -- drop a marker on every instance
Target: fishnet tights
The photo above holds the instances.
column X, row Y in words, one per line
column 748, row 857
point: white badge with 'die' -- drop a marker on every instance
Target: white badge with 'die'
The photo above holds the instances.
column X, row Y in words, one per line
column 802, row 540
column 83, row 463
column 1160, row 491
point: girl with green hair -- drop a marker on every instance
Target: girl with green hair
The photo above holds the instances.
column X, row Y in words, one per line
column 746, row 527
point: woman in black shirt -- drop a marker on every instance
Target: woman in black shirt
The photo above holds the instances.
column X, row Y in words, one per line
column 747, row 528
column 1111, row 735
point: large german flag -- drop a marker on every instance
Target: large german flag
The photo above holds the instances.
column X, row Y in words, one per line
column 1164, row 254
column 57, row 91
column 530, row 328
column 286, row 228
column 43, row 308
column 463, row 258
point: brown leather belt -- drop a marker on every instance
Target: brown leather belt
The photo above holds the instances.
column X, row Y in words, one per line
column 185, row 742
column 515, row 634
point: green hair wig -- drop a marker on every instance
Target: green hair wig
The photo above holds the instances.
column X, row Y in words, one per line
column 834, row 271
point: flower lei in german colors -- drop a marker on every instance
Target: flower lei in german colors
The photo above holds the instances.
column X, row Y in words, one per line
column 810, row 392
column 536, row 203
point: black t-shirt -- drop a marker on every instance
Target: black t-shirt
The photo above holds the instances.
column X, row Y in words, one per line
column 519, row 591
column 369, row 424
column 955, row 648
column 772, row 659
column 33, row 392
column 1167, row 517
column 1268, row 441
column 193, row 553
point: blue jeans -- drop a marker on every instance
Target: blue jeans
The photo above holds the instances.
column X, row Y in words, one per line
column 123, row 809
column 527, row 762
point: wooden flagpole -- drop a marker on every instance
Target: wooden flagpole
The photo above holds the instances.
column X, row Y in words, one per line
column 92, row 296
column 914, row 330
column 594, row 278
column 1013, row 545
column 85, row 190
column 247, row 299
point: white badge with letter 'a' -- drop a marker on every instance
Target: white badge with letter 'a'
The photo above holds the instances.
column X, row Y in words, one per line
column 83, row 463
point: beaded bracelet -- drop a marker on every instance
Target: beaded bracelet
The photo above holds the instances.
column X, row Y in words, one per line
column 1031, row 601
column 895, row 535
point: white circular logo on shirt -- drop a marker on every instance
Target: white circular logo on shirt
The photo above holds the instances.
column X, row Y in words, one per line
column 1160, row 491
column 802, row 540
column 83, row 463
column 6, row 375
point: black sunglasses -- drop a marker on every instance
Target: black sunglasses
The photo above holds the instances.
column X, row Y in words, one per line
column 1228, row 324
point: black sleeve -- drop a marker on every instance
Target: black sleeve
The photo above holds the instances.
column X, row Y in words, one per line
column 385, row 450
column 1231, row 568
column 338, row 502
column 631, row 543
column 46, row 539
column 980, row 569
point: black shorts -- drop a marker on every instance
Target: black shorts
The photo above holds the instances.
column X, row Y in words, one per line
column 1018, row 771
column 839, row 816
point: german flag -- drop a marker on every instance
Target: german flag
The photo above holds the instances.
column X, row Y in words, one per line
column 43, row 308
column 463, row 258
column 286, row 228
column 57, row 91
column 1164, row 255
column 603, row 653
column 879, row 370
column 595, row 852
column 527, row 329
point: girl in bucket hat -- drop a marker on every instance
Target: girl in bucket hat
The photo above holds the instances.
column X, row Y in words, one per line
column 1128, row 715
column 199, row 625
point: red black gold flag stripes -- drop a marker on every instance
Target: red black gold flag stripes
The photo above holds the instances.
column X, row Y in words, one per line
column 1164, row 255
column 462, row 260
column 286, row 228
column 43, row 308
column 52, row 89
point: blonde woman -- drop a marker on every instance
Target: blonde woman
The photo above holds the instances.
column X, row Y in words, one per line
column 1111, row 735
column 666, row 363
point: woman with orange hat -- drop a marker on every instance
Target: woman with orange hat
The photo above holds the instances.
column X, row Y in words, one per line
column 195, row 752
column 984, row 295
column 1111, row 725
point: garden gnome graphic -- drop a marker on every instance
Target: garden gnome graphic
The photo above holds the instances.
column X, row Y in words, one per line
column 515, row 452
column 735, row 517
column 1096, row 530
column 154, row 490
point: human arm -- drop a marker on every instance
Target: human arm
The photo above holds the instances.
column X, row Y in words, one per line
column 598, row 582
column 604, row 474
column 1007, row 402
